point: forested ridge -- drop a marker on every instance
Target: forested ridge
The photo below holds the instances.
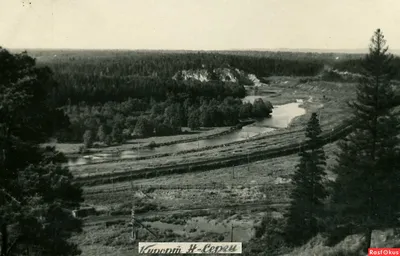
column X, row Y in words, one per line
column 116, row 77
column 115, row 96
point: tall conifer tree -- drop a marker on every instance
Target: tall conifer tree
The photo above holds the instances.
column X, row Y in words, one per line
column 367, row 188
column 309, row 192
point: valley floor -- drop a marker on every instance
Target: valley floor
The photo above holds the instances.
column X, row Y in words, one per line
column 204, row 206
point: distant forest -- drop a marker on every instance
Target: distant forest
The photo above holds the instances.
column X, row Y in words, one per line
column 116, row 97
column 117, row 77
column 110, row 96
column 356, row 66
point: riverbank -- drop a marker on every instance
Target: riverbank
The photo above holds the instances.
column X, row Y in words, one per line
column 72, row 149
column 260, row 129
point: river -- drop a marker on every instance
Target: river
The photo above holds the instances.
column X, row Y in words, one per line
column 280, row 118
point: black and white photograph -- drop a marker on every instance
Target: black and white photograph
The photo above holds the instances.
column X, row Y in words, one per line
column 186, row 127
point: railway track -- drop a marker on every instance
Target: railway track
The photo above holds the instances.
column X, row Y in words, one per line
column 218, row 162
column 182, row 152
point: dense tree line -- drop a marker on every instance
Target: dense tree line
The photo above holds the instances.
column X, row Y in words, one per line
column 286, row 55
column 93, row 89
column 357, row 66
column 165, row 65
column 139, row 75
column 115, row 122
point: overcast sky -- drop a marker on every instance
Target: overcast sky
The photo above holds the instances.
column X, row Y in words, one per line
column 197, row 24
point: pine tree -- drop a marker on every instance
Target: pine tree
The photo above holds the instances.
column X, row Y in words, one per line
column 309, row 193
column 36, row 192
column 366, row 190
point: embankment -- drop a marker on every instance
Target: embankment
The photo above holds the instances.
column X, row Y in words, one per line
column 327, row 137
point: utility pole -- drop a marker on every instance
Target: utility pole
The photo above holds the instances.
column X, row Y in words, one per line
column 134, row 222
column 248, row 161
column 134, row 231
column 112, row 181
column 131, row 179
column 231, row 232
column 248, row 154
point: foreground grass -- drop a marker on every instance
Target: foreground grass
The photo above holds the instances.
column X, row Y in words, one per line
column 98, row 240
column 197, row 227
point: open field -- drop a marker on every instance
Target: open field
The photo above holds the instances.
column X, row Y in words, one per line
column 212, row 220
column 214, row 211
column 209, row 163
column 217, row 226
column 269, row 171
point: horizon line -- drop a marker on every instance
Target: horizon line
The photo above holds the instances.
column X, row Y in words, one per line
column 300, row 50
column 170, row 49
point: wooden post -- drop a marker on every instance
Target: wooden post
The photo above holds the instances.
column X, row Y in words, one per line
column 112, row 180
column 231, row 232
column 248, row 161
column 248, row 154
column 233, row 171
column 134, row 233
column 131, row 179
